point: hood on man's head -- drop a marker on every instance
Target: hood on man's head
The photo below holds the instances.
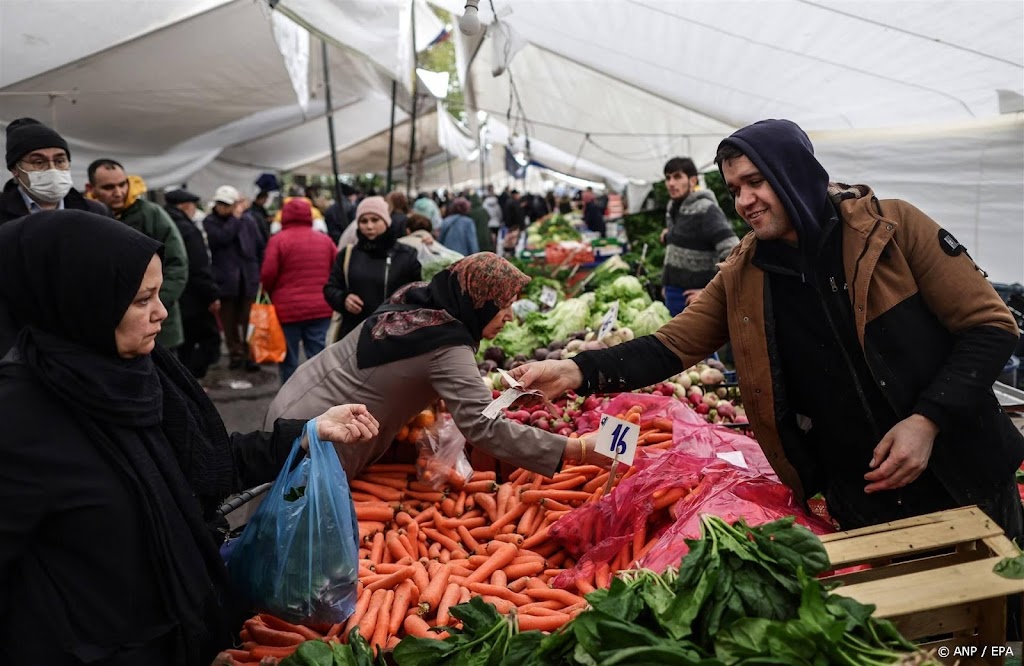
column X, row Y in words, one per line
column 783, row 153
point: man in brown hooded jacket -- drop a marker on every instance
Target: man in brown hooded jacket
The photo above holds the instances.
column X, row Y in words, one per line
column 866, row 342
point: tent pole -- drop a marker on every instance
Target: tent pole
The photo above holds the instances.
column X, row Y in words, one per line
column 330, row 123
column 391, row 136
column 415, row 99
column 448, row 162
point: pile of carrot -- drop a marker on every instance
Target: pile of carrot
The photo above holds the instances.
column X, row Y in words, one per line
column 423, row 551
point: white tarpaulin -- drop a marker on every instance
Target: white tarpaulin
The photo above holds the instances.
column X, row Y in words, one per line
column 903, row 96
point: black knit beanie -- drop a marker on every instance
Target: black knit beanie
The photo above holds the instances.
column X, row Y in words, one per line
column 27, row 134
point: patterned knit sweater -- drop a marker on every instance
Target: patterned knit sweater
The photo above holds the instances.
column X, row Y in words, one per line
column 699, row 236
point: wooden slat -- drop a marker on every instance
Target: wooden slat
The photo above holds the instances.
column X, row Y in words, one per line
column 924, row 519
column 911, row 566
column 938, row 588
column 961, row 620
column 961, row 529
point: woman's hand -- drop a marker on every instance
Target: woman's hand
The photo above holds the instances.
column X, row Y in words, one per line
column 580, row 451
column 347, row 424
column 353, row 304
column 552, row 378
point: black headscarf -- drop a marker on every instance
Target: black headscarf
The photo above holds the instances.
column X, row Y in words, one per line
column 783, row 153
column 67, row 278
column 452, row 309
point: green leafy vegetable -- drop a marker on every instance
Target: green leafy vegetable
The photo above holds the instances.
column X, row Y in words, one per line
column 1011, row 567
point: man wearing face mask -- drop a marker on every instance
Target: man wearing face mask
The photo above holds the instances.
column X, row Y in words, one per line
column 39, row 161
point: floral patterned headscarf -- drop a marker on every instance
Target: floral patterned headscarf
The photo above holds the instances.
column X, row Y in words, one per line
column 452, row 309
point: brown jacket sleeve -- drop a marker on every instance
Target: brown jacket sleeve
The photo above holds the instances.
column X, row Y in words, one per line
column 454, row 375
column 956, row 291
column 700, row 329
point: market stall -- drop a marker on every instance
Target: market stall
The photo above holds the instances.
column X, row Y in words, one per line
column 695, row 551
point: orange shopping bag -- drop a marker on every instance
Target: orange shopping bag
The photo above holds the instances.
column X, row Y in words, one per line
column 265, row 335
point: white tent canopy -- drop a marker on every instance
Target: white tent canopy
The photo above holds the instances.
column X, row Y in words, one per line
column 176, row 88
column 906, row 97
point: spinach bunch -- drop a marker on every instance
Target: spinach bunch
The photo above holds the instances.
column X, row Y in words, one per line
column 318, row 653
column 487, row 638
column 743, row 595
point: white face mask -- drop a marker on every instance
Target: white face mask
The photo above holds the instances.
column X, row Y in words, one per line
column 50, row 186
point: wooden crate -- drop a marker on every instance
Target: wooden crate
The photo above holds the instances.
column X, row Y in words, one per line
column 932, row 576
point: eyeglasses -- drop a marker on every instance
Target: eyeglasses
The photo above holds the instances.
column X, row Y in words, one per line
column 61, row 163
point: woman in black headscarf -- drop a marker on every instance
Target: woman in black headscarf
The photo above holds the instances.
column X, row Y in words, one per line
column 114, row 460
column 419, row 347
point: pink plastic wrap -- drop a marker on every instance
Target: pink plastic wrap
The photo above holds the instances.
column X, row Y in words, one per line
column 595, row 533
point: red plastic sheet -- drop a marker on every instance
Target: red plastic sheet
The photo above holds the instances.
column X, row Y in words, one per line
column 596, row 533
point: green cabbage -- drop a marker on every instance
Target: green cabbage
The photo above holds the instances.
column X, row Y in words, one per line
column 650, row 319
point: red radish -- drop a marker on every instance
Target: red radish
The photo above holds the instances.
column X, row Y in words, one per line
column 726, row 409
column 702, row 408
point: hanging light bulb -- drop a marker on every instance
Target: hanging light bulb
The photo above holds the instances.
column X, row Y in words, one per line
column 469, row 22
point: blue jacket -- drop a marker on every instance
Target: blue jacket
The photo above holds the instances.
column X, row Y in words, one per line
column 458, row 232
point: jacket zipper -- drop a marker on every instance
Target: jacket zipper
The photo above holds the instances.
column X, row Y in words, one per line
column 387, row 271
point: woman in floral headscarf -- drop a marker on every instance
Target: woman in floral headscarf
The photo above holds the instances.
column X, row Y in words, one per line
column 419, row 347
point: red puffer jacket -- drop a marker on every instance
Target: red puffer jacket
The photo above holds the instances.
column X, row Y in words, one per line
column 296, row 267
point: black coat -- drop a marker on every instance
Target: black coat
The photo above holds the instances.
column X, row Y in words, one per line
column 366, row 280
column 236, row 245
column 12, row 205
column 201, row 289
column 74, row 563
column 515, row 216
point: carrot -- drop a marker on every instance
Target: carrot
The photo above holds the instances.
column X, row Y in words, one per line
column 362, row 605
column 482, row 486
column 514, row 571
column 503, row 606
column 392, row 580
column 602, row 576
column 447, row 542
column 499, row 591
column 567, row 484
column 425, row 495
column 382, row 492
column 542, row 623
column 557, row 495
column 584, row 587
column 449, row 599
column 416, row 626
column 500, row 557
column 672, row 496
column 597, row 482
column 264, row 635
column 499, row 577
column 403, row 599
column 657, row 437
column 420, row 578
column 368, row 623
column 448, row 507
column 377, row 548
column 435, row 590
column 514, row 539
column 562, row 596
column 374, row 512
column 536, row 539
column 395, row 547
column 468, row 539
column 380, row 631
column 426, row 516
column 281, row 625
column 261, row 651
column 488, row 504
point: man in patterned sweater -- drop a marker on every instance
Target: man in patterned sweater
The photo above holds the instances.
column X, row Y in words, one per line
column 697, row 235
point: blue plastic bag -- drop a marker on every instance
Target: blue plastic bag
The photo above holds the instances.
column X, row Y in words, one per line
column 298, row 557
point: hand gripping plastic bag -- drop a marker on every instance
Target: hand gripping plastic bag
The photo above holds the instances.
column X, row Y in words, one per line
column 442, row 455
column 298, row 557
